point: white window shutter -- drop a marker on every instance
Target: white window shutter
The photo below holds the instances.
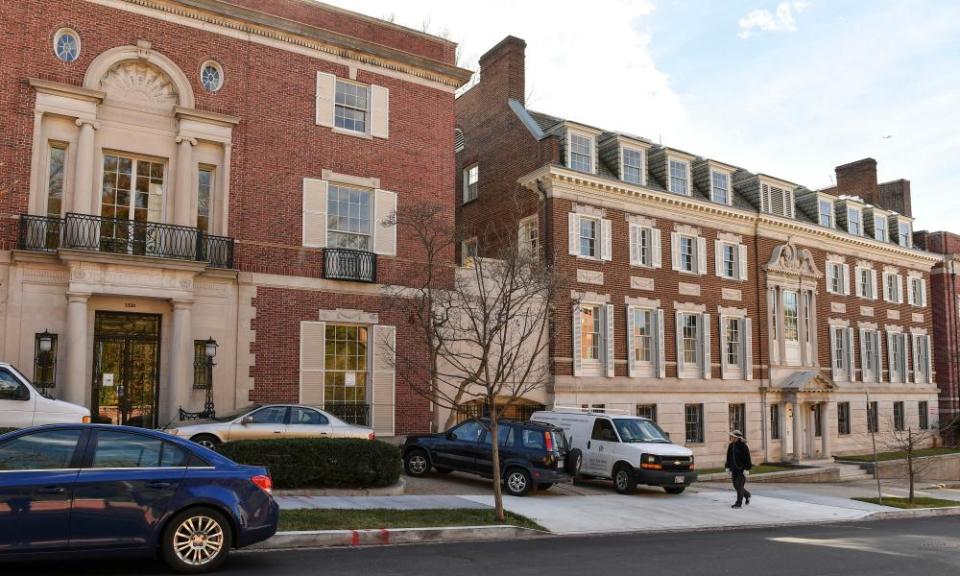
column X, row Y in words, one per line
column 655, row 249
column 631, row 325
column 701, row 255
column 635, row 257
column 858, row 279
column 609, row 341
column 846, row 279
column 863, row 356
column 679, row 339
column 606, row 233
column 721, row 344
column 576, row 331
column 851, row 358
column 890, row 346
column 384, row 232
column 742, row 260
column 659, row 330
column 326, row 89
column 312, row 348
column 747, row 349
column 675, row 250
column 833, row 354
column 910, row 299
column 899, row 289
column 923, row 293
column 878, row 341
column 926, row 344
column 718, row 258
column 379, row 112
column 915, row 341
column 706, row 353
column 573, row 234
column 383, row 407
column 314, row 229
column 873, row 285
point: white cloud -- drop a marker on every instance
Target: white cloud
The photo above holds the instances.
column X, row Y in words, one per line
column 782, row 20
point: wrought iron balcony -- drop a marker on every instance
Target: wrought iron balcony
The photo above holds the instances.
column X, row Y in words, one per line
column 347, row 264
column 119, row 236
column 358, row 414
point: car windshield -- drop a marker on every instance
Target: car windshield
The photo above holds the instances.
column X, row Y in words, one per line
column 236, row 413
column 637, row 430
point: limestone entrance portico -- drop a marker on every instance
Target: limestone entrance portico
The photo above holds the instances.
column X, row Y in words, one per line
column 808, row 409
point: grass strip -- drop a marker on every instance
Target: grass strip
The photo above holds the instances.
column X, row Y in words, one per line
column 918, row 502
column 336, row 519
column 901, row 455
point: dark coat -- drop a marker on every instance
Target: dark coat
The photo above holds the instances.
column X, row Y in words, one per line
column 738, row 456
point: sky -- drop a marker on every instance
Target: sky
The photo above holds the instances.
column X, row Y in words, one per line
column 791, row 89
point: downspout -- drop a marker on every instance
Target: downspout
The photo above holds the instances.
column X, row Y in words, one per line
column 764, row 366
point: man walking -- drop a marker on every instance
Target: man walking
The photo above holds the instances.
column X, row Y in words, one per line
column 738, row 462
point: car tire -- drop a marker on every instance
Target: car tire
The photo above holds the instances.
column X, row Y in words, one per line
column 207, row 441
column 196, row 540
column 517, row 481
column 674, row 489
column 416, row 463
column 443, row 470
column 624, row 479
column 574, row 461
column 544, row 485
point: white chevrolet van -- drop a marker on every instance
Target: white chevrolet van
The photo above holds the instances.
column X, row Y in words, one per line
column 629, row 450
column 22, row 406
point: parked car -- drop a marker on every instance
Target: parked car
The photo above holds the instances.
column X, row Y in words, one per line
column 629, row 450
column 22, row 406
column 271, row 421
column 72, row 489
column 532, row 454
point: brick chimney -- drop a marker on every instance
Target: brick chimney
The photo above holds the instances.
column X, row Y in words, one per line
column 502, row 69
column 858, row 179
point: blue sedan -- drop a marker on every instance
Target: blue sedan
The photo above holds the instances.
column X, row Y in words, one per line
column 74, row 489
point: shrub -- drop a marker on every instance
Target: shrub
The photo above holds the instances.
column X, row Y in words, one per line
column 320, row 462
column 100, row 419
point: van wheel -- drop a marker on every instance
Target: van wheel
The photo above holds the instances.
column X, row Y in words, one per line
column 416, row 463
column 196, row 540
column 674, row 489
column 574, row 460
column 206, row 440
column 517, row 482
column 624, row 479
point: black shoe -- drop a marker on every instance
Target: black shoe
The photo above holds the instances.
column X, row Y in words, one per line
column 736, row 506
column 748, row 501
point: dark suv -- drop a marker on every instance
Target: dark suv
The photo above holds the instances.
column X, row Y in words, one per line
column 532, row 454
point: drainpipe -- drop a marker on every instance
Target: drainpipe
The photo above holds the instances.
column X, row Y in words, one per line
column 764, row 352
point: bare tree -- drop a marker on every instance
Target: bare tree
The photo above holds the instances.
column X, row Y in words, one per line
column 486, row 326
column 908, row 441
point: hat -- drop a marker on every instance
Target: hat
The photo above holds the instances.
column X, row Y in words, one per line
column 737, row 434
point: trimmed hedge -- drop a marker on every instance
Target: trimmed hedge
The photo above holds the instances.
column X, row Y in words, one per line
column 320, row 462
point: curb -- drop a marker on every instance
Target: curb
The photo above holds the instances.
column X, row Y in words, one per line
column 398, row 489
column 915, row 513
column 392, row 536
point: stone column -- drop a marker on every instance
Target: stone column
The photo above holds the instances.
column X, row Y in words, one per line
column 826, row 417
column 797, row 430
column 75, row 385
column 183, row 190
column 83, row 177
column 180, row 379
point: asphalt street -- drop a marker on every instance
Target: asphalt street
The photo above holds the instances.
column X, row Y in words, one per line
column 927, row 546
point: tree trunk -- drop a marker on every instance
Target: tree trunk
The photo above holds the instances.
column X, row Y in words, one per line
column 495, row 456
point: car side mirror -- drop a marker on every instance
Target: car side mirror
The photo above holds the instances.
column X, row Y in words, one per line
column 246, row 420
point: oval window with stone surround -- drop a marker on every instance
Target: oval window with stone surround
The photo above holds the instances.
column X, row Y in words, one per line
column 211, row 76
column 66, row 45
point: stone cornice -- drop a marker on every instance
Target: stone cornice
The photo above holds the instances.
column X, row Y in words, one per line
column 205, row 116
column 68, row 90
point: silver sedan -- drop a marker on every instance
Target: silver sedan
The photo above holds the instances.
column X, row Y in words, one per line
column 271, row 421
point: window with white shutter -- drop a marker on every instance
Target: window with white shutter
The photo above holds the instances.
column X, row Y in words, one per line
column 314, row 226
column 706, row 352
column 352, row 107
column 659, row 329
column 690, row 342
column 846, row 279
column 608, row 341
column 384, row 390
column 730, row 260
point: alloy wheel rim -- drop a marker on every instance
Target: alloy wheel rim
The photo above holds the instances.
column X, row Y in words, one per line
column 622, row 480
column 517, row 482
column 207, row 443
column 198, row 540
column 418, row 464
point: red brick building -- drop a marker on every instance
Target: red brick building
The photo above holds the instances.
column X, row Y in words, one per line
column 174, row 170
column 702, row 294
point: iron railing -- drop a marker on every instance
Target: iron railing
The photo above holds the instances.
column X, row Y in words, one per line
column 120, row 236
column 358, row 414
column 347, row 264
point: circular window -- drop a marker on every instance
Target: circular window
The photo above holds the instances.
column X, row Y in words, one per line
column 211, row 76
column 66, row 44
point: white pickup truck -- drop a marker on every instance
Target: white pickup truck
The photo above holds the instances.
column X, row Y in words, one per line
column 22, row 406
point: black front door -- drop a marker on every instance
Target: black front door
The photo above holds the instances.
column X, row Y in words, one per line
column 126, row 368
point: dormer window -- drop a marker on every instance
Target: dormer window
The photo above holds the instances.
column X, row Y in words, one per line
column 581, row 152
column 720, row 187
column 825, row 210
column 776, row 200
column 903, row 237
column 632, row 165
column 880, row 229
column 679, row 177
column 854, row 221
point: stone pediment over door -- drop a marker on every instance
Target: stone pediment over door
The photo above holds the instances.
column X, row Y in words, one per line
column 791, row 260
column 141, row 84
column 806, row 381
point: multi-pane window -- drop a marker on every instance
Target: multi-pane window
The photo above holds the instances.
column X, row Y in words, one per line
column 66, row 45
column 869, row 352
column 733, row 344
column 855, row 221
column 774, row 421
column 720, row 187
column 880, row 228
column 688, row 253
column 835, row 279
column 581, row 152
column 898, row 417
column 132, row 190
column 345, row 364
column 873, row 417
column 904, row 237
column 201, row 365
column 348, row 218
column 204, row 196
column 590, row 332
column 843, row 418
column 468, row 250
column 529, row 236
column 690, row 326
column 918, row 294
column 730, row 265
column 679, row 177
column 738, row 417
column 642, row 239
column 825, row 208
column 58, row 158
column 791, row 329
column 471, row 182
column 647, row 411
column 589, row 237
column 839, row 349
column 866, row 282
column 351, row 106
column 892, row 288
column 921, row 367
column 896, row 358
column 632, row 166
column 642, row 335
column 923, row 415
column 693, row 423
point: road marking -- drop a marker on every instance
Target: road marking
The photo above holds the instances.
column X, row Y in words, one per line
column 841, row 543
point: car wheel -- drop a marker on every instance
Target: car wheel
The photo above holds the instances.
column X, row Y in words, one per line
column 674, row 489
column 544, row 485
column 517, row 481
column 624, row 479
column 416, row 463
column 196, row 540
column 574, row 460
column 443, row 470
column 206, row 440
